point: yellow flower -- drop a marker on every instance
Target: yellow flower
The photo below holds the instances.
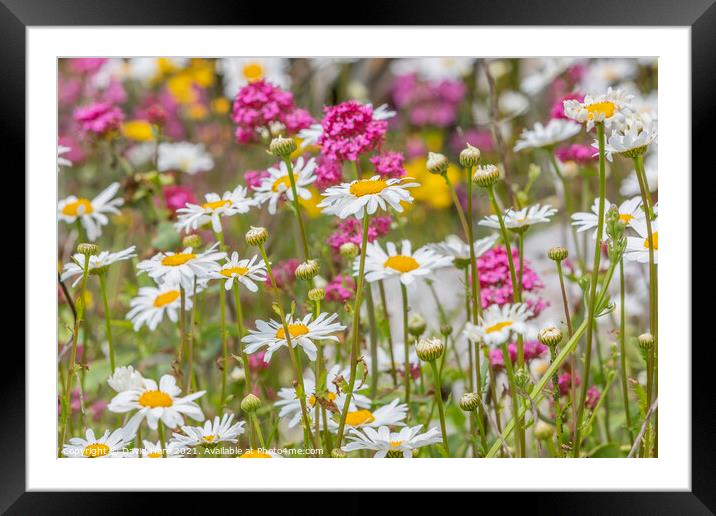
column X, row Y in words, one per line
column 139, row 130
column 220, row 105
column 181, row 86
column 310, row 205
column 433, row 189
column 202, row 72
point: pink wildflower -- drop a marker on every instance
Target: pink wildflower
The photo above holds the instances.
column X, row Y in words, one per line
column 428, row 103
column 284, row 272
column 389, row 164
column 349, row 130
column 340, row 289
column 593, row 396
column 581, row 154
column 176, row 197
column 99, row 118
column 253, row 177
column 350, row 231
column 256, row 362
column 557, row 110
column 328, row 173
column 532, row 349
column 565, row 383
column 87, row 64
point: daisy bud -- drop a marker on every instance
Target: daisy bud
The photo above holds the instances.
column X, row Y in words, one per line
column 282, row 147
column 543, row 431
column 307, row 270
column 256, row 236
column 429, row 349
column 192, row 241
column 445, row 329
column 469, row 401
column 349, row 250
column 88, row 249
column 550, row 336
column 646, row 341
column 486, row 176
column 416, row 325
column 557, row 254
column 337, row 453
column 316, row 294
column 250, row 403
column 470, row 156
column 437, row 163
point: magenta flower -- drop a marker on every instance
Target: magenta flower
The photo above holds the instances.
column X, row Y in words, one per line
column 99, row 118
column 284, row 273
column 176, row 197
column 480, row 139
column 350, row 230
column 428, row 103
column 557, row 110
column 593, row 396
column 389, row 164
column 328, row 173
column 87, row 64
column 582, row 154
column 256, row 362
column 532, row 349
column 340, row 288
column 565, row 383
column 349, row 130
column 253, row 178
column 260, row 103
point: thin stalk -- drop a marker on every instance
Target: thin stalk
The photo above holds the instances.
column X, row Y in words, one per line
column 516, row 416
column 242, row 332
column 569, row 208
column 162, row 441
column 406, row 345
column 622, row 349
column 386, row 315
column 592, row 289
column 439, row 401
column 356, row 330
column 506, row 241
column 294, row 191
column 555, row 395
column 107, row 318
column 257, row 429
column 565, row 302
column 373, row 344
column 520, row 338
column 224, row 345
column 190, row 367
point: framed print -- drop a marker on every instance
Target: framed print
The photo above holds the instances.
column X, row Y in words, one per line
column 435, row 243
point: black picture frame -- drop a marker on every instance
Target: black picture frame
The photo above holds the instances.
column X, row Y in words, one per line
column 699, row 15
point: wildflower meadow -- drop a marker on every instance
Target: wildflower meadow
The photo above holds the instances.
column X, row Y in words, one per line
column 343, row 258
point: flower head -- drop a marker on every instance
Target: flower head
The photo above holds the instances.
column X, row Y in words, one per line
column 630, row 212
column 277, row 185
column 244, row 271
column 405, row 264
column 631, row 139
column 100, row 118
column 183, row 267
column 192, row 216
column 607, row 108
column 153, row 303
column 519, row 219
column 110, row 445
column 350, row 129
column 97, row 263
column 540, row 136
column 391, row 444
column 184, row 157
column 91, row 213
column 365, row 196
column 497, row 324
column 389, row 164
column 125, row 378
column 211, row 433
column 637, row 248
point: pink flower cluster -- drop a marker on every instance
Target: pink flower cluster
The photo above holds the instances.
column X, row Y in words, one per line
column 341, row 288
column 532, row 349
column 564, row 383
column 428, row 103
column 257, row 363
column 328, row 172
column 350, row 231
column 496, row 283
column 284, row 273
column 349, row 129
column 87, row 64
column 389, row 164
column 593, row 396
column 253, row 178
column 582, row 154
column 260, row 103
column 99, row 118
column 176, row 196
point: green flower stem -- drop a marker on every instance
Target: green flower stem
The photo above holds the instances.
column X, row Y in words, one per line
column 190, row 360
column 373, row 344
column 565, row 304
column 591, row 308
column 568, row 205
column 516, row 414
column 257, row 429
column 356, row 331
column 138, row 444
column 506, row 241
column 520, row 338
column 107, row 318
column 557, row 409
column 386, row 316
column 224, row 345
column 182, row 328
column 162, row 441
column 242, row 332
column 406, row 345
column 439, row 401
column 468, row 312
column 622, row 350
column 80, row 307
column 296, row 205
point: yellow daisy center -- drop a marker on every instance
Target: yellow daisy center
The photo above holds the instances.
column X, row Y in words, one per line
column 654, row 239
column 284, row 181
column 253, row 454
column 216, row 204
column 253, row 72
column 240, row 271
column 209, row 438
column 395, row 444
column 625, row 217
column 498, row 326
column 367, row 187
column 154, row 455
column 401, row 263
column 605, row 109
column 166, row 298
column 295, row 330
column 177, row 259
column 79, row 207
column 359, row 417
column 154, row 399
column 95, row 450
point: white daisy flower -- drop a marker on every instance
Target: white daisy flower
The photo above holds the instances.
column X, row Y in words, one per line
column 633, row 135
column 62, row 162
column 497, row 324
column 277, row 184
column 290, row 406
column 239, row 71
column 110, row 445
column 302, row 333
column 557, row 130
column 213, row 432
column 366, row 196
column 244, row 271
column 125, row 378
column 391, row 444
column 518, row 219
column 456, row 247
column 544, row 71
column 157, row 403
column 184, row 157
column 92, row 214
column 152, row 303
column 630, row 184
column 391, row 414
column 96, row 263
column 602, row 73
column 629, row 212
column 637, row 248
column 192, row 216
column 182, row 267
column 154, row 450
column 310, row 135
column 406, row 264
column 609, row 107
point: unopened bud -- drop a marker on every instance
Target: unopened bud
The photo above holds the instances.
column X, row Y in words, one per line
column 416, row 325
column 469, row 401
column 307, row 270
column 470, row 156
column 349, row 250
column 437, row 163
column 282, row 147
column 646, row 341
column 557, row 253
column 256, row 236
column 250, row 403
column 316, row 294
column 486, row 176
column 429, row 350
column 550, row 336
column 88, row 249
